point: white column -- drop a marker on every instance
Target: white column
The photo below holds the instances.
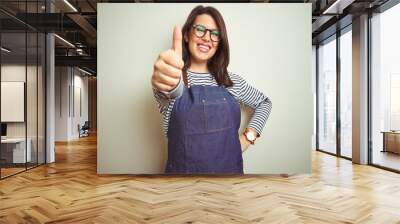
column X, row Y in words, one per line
column 360, row 90
column 50, row 92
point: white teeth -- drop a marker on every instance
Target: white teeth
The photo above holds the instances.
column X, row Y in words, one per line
column 203, row 48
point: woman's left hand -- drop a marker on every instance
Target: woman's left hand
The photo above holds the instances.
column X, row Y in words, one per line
column 244, row 143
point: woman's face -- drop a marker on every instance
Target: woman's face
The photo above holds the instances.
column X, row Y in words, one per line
column 202, row 48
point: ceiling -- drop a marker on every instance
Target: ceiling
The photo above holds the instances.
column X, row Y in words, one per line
column 76, row 22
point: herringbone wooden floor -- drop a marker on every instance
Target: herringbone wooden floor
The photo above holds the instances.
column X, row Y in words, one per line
column 70, row 191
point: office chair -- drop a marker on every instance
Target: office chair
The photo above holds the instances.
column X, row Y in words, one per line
column 84, row 130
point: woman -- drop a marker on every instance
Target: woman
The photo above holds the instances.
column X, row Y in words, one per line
column 199, row 99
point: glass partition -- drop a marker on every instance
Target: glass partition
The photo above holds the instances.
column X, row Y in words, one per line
column 32, row 95
column 327, row 96
column 41, row 107
column 22, row 67
column 13, row 95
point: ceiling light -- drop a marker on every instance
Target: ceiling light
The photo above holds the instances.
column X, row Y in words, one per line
column 64, row 40
column 337, row 7
column 5, row 49
column 84, row 71
column 331, row 7
column 70, row 5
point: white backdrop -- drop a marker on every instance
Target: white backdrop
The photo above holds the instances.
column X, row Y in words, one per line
column 270, row 47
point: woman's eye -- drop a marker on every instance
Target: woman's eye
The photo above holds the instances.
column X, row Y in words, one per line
column 200, row 29
column 215, row 34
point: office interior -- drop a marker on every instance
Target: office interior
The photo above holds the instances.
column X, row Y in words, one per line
column 48, row 83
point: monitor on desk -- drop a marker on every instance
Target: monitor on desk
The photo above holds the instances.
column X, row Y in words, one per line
column 3, row 130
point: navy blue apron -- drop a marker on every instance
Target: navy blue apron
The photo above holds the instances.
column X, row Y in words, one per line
column 203, row 133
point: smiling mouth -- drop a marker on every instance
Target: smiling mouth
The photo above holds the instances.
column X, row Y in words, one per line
column 203, row 48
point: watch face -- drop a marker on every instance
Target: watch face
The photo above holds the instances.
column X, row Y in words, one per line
column 250, row 136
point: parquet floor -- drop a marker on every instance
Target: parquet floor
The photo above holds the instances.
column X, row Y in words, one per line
column 10, row 171
column 70, row 191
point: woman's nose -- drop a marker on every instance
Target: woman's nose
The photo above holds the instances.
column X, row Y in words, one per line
column 207, row 36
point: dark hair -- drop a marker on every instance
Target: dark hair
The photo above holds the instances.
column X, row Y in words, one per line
column 217, row 65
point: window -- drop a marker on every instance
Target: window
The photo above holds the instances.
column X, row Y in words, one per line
column 327, row 96
column 385, row 88
column 346, row 93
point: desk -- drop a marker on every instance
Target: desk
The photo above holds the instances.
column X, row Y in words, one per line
column 391, row 141
column 16, row 153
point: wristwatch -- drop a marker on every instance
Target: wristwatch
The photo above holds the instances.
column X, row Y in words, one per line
column 251, row 136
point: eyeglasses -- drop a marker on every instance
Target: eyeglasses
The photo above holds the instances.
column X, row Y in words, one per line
column 200, row 31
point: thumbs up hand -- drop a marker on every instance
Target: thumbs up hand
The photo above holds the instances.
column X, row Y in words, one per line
column 167, row 70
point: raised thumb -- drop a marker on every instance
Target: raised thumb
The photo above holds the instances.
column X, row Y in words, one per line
column 177, row 41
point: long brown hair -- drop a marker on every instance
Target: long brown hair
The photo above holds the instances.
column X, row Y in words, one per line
column 217, row 65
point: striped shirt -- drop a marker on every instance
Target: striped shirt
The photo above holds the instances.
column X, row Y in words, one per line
column 242, row 91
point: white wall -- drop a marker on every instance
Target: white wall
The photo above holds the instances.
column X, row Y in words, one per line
column 79, row 117
column 12, row 73
column 67, row 117
column 33, row 127
column 61, row 103
column 12, row 101
column 17, row 72
column 270, row 47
